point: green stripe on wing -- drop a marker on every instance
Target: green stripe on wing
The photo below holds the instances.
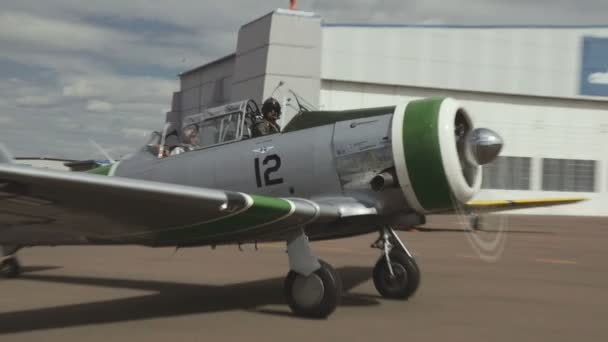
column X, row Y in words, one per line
column 102, row 170
column 264, row 210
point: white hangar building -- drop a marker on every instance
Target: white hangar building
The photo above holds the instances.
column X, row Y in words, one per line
column 543, row 88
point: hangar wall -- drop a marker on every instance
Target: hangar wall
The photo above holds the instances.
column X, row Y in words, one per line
column 280, row 47
column 208, row 86
column 535, row 129
column 539, row 61
column 545, row 89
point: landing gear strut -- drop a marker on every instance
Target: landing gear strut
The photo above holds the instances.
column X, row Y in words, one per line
column 474, row 221
column 312, row 287
column 396, row 274
column 10, row 268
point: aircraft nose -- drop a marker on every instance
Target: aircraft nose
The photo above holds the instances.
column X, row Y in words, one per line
column 483, row 146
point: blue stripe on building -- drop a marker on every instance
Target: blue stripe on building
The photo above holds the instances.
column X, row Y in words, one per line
column 594, row 67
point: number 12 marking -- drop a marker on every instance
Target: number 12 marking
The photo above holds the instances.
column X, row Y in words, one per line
column 271, row 159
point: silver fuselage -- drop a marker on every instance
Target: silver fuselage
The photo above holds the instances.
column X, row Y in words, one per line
column 334, row 160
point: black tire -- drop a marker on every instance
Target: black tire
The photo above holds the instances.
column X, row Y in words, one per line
column 406, row 280
column 10, row 268
column 331, row 292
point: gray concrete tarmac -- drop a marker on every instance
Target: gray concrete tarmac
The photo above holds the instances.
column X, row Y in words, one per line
column 545, row 280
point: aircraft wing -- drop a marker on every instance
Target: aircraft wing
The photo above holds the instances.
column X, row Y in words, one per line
column 44, row 207
column 485, row 206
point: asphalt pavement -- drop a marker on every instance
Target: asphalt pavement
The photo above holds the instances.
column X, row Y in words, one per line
column 526, row 278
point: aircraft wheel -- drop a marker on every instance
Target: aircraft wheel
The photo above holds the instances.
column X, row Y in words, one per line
column 316, row 295
column 405, row 280
column 10, row 268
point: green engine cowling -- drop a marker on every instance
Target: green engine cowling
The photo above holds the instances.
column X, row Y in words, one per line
column 429, row 142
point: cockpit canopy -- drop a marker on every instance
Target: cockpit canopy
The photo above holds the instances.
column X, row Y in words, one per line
column 221, row 124
column 214, row 126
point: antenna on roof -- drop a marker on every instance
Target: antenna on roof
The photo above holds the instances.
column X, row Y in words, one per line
column 276, row 88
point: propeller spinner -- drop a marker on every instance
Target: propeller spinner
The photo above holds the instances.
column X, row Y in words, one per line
column 483, row 146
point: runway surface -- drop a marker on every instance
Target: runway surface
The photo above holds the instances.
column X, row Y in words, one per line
column 550, row 283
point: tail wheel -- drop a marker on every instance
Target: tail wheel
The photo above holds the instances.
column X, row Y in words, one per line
column 10, row 268
column 405, row 279
column 316, row 295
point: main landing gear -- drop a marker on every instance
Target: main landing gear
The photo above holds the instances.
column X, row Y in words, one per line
column 312, row 287
column 9, row 266
column 396, row 274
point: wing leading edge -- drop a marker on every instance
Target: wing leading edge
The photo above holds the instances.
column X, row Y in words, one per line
column 483, row 206
column 39, row 207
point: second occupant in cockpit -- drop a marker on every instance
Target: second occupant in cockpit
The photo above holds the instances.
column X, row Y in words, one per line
column 190, row 139
column 271, row 111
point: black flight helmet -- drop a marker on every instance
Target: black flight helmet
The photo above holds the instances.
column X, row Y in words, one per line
column 271, row 104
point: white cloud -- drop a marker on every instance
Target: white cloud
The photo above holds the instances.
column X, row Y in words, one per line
column 120, row 88
column 106, row 104
column 5, row 120
column 598, row 78
column 84, row 86
column 99, row 106
column 79, row 88
column 188, row 13
column 37, row 100
column 62, row 34
column 227, row 16
column 55, row 62
column 71, row 44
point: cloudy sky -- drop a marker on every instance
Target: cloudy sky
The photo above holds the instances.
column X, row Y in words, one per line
column 73, row 70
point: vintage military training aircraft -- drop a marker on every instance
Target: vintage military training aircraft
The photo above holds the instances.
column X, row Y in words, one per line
column 327, row 175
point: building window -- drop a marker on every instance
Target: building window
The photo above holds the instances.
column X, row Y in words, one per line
column 509, row 173
column 568, row 175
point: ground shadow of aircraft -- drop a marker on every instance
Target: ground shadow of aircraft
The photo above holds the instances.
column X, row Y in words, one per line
column 169, row 299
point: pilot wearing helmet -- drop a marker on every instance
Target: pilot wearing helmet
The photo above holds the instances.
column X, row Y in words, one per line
column 271, row 112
